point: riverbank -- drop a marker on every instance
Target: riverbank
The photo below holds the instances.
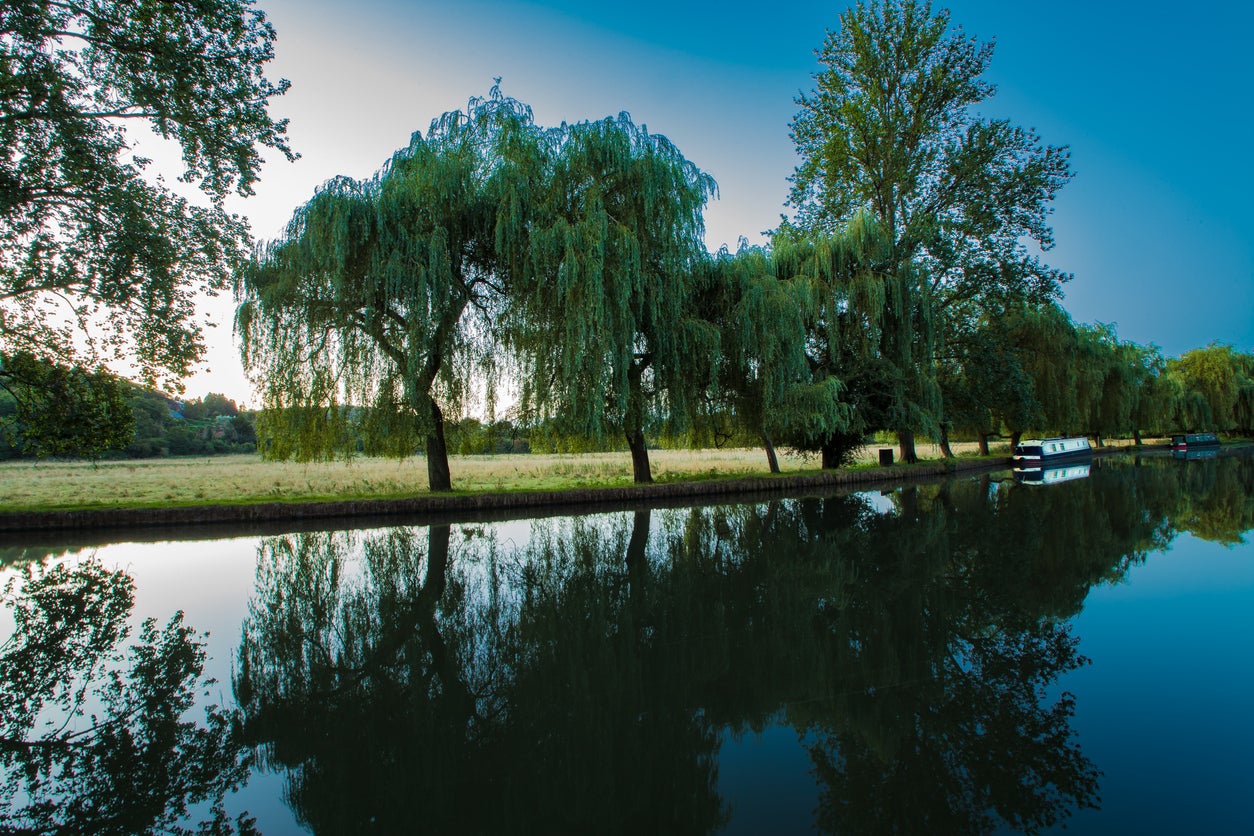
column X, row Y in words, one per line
column 681, row 476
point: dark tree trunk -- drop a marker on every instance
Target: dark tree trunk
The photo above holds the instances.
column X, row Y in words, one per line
column 1015, row 437
column 1100, row 443
column 444, row 663
column 983, row 438
column 418, row 618
column 831, row 455
column 1136, row 437
column 437, row 562
column 905, row 439
column 772, row 509
column 944, row 442
column 771, row 459
column 438, row 475
column 641, row 474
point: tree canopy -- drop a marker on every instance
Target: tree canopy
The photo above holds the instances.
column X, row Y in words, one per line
column 98, row 718
column 381, row 293
column 573, row 247
column 99, row 261
column 889, row 129
column 604, row 323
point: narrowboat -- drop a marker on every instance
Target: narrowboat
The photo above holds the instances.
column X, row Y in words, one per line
column 1190, row 440
column 1036, row 452
column 1051, row 475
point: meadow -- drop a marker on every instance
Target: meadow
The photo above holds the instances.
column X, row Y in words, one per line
column 140, row 483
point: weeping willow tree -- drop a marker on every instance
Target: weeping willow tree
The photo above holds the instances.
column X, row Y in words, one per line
column 854, row 385
column 779, row 312
column 1218, row 383
column 381, row 293
column 602, row 320
column 763, row 374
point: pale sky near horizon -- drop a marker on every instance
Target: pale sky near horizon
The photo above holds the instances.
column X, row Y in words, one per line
column 1155, row 103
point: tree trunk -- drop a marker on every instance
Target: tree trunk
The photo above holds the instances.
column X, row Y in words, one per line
column 1136, row 438
column 771, row 459
column 641, row 474
column 944, row 442
column 905, row 439
column 444, row 663
column 438, row 475
column 418, row 617
column 983, row 439
column 831, row 456
column 1015, row 437
column 1100, row 443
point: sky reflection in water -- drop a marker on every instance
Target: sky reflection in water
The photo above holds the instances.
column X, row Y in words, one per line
column 853, row 664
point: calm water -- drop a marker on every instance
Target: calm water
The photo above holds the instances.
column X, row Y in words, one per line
column 978, row 655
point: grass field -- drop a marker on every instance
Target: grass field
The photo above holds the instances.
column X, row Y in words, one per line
column 248, row 479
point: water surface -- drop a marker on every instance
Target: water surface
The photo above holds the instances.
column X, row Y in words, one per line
column 979, row 655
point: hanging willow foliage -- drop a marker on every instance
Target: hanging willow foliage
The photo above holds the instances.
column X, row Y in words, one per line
column 380, row 293
column 575, row 247
column 602, row 321
column 866, row 330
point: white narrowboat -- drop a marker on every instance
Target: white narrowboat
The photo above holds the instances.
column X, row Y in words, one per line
column 1035, row 452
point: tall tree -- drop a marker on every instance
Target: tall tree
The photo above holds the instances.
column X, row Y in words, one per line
column 99, row 262
column 381, row 293
column 765, row 376
column 602, row 320
column 889, row 129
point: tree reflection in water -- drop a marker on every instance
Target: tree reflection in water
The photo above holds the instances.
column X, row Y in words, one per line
column 94, row 732
column 449, row 679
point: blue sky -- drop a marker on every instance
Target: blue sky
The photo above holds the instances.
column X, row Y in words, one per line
column 1153, row 98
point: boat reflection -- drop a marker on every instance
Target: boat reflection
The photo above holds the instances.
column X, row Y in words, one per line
column 1196, row 453
column 1051, row 475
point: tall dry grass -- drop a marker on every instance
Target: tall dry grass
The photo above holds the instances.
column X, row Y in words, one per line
column 230, row 479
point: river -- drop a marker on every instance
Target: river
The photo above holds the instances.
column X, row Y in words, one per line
column 982, row 654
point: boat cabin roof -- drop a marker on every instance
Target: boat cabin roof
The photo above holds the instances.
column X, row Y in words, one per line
column 1038, row 441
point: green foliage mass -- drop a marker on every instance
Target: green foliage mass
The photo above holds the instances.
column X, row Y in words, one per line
column 59, row 410
column 380, row 294
column 570, row 246
column 71, row 413
column 890, row 129
column 98, row 262
column 603, row 323
column 98, row 729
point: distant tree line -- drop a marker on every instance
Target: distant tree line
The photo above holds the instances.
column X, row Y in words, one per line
column 139, row 423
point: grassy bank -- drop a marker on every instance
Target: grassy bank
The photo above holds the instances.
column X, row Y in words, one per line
column 158, row 483
column 148, row 483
